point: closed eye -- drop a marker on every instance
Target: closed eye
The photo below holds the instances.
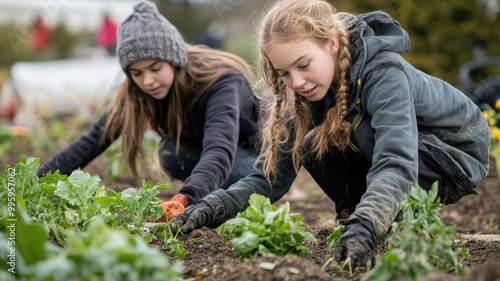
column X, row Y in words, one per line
column 304, row 66
column 156, row 66
column 283, row 74
column 135, row 73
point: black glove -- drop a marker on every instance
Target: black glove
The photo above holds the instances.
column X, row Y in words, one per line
column 209, row 211
column 357, row 242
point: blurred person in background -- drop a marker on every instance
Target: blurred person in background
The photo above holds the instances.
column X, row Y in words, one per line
column 106, row 35
column 40, row 35
column 199, row 100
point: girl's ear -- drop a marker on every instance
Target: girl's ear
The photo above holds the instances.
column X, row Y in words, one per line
column 333, row 46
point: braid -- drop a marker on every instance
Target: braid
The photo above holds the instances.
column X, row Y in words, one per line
column 289, row 114
column 302, row 119
column 336, row 130
column 272, row 135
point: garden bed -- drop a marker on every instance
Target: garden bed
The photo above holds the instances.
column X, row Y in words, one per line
column 476, row 217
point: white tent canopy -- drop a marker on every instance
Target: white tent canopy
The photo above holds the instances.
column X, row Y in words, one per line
column 61, row 87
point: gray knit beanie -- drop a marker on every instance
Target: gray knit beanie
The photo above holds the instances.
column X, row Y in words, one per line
column 146, row 34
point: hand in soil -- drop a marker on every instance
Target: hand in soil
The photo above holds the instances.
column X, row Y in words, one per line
column 210, row 211
column 173, row 207
column 356, row 244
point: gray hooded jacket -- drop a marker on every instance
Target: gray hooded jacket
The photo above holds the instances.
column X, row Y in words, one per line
column 409, row 110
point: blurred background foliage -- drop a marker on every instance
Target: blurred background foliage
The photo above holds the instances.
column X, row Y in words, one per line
column 444, row 34
column 14, row 45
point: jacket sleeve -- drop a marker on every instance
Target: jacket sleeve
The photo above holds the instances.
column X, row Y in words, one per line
column 236, row 197
column 79, row 153
column 387, row 98
column 219, row 110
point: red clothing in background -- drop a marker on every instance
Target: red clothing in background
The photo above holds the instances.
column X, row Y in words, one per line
column 106, row 36
column 40, row 36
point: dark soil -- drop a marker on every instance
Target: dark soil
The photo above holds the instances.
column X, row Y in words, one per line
column 208, row 259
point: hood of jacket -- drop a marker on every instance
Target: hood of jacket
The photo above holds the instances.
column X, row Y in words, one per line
column 371, row 33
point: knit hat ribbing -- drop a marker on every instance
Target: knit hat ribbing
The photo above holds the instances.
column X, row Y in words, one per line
column 146, row 34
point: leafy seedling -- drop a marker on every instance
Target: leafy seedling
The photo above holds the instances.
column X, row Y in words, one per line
column 332, row 241
column 420, row 243
column 61, row 202
column 167, row 233
column 99, row 253
column 266, row 230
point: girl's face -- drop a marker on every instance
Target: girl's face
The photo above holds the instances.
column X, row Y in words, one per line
column 154, row 77
column 305, row 66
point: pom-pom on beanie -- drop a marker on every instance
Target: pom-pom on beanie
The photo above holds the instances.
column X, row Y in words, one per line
column 146, row 34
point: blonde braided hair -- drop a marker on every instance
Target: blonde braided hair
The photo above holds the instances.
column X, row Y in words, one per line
column 289, row 114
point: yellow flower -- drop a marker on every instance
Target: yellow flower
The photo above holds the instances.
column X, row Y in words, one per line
column 492, row 121
column 497, row 104
column 495, row 133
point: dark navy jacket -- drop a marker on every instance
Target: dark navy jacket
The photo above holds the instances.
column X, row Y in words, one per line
column 224, row 118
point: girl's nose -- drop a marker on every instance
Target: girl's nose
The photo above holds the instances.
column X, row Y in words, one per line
column 298, row 81
column 148, row 79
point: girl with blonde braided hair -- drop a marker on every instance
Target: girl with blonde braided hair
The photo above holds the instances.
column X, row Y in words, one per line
column 365, row 124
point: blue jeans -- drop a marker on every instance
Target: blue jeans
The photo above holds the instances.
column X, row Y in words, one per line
column 181, row 166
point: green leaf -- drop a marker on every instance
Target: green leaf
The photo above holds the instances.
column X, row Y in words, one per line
column 79, row 189
column 266, row 229
column 334, row 236
column 26, row 177
column 246, row 244
column 420, row 242
column 176, row 248
column 30, row 238
column 55, row 268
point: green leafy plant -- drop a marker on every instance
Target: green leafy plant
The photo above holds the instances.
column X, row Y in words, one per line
column 266, row 230
column 332, row 240
column 334, row 236
column 167, row 233
column 61, row 202
column 99, row 253
column 420, row 243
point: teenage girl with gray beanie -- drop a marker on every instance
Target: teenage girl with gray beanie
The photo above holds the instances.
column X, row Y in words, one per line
column 199, row 100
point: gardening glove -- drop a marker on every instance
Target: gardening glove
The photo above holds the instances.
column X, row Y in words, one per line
column 357, row 243
column 174, row 207
column 209, row 211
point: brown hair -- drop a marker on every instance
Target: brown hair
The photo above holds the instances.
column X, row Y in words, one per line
column 131, row 109
column 289, row 20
